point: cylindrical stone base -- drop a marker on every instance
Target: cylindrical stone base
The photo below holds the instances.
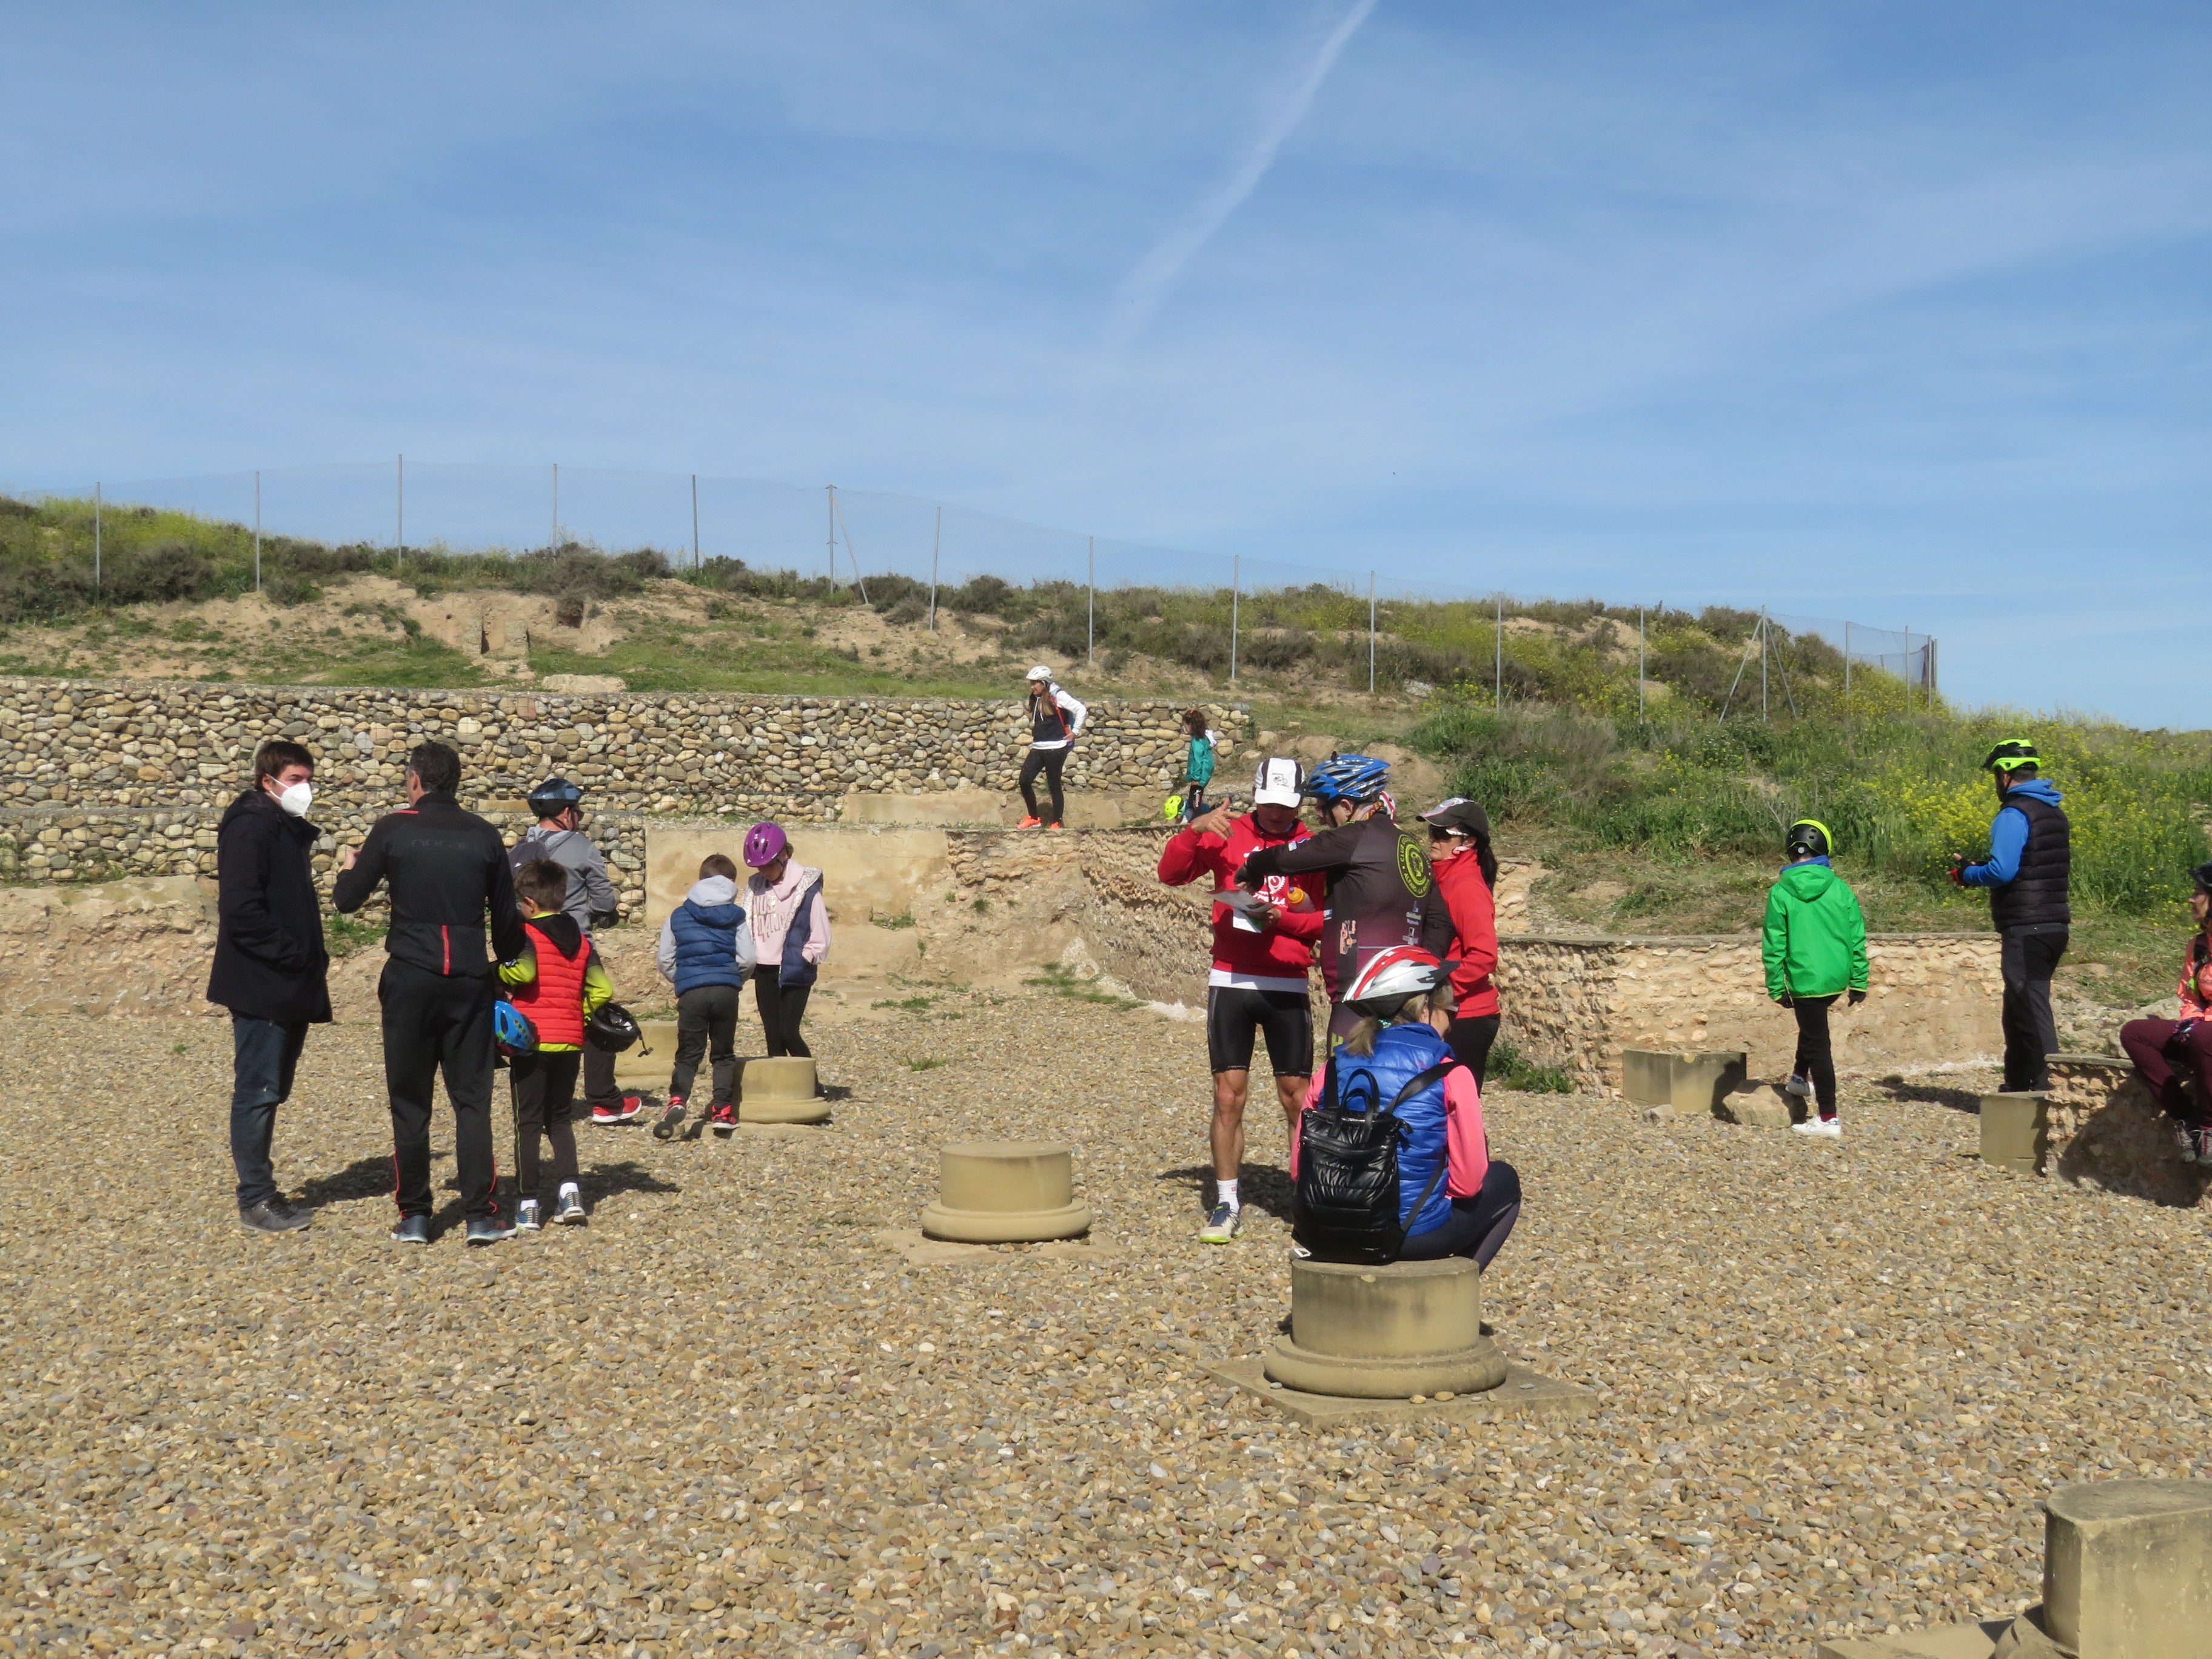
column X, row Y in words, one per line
column 1386, row 1333
column 779, row 1091
column 1005, row 1192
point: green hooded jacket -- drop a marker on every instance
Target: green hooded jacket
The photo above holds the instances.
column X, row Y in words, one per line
column 1814, row 941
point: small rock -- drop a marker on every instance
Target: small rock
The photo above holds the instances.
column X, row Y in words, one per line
column 1764, row 1106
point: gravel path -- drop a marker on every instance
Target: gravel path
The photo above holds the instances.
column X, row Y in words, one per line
column 1837, row 1379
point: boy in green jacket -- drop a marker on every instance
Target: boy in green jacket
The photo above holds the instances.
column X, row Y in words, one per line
column 1815, row 945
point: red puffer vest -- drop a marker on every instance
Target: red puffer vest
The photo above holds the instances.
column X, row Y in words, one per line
column 555, row 999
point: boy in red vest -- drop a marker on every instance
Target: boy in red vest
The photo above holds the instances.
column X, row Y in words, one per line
column 559, row 983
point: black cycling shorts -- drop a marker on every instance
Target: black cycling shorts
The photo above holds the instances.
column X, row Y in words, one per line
column 1234, row 1015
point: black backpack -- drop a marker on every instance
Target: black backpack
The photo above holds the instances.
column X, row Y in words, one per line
column 1348, row 1175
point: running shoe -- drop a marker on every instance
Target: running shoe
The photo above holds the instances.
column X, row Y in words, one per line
column 273, row 1215
column 490, row 1229
column 413, row 1229
column 1030, row 823
column 1055, row 824
column 526, row 1219
column 568, row 1209
column 1832, row 1126
column 724, row 1120
column 2204, row 1144
column 1807, row 1125
column 1221, row 1223
column 671, row 1120
column 2184, row 1140
column 606, row 1114
column 1799, row 1085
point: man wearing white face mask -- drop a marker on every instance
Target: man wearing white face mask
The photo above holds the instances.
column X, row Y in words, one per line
column 271, row 969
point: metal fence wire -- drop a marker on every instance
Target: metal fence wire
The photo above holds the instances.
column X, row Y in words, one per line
column 847, row 536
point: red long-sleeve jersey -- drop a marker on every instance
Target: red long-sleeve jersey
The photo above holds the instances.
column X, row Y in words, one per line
column 1278, row 959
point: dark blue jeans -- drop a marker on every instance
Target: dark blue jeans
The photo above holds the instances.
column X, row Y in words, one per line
column 264, row 1056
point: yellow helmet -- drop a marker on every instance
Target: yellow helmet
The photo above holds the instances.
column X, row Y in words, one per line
column 2011, row 755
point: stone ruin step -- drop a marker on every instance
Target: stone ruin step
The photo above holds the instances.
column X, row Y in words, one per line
column 1689, row 1080
column 2127, row 1574
column 783, row 1090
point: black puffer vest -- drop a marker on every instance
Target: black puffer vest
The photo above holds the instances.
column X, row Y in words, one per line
column 2037, row 893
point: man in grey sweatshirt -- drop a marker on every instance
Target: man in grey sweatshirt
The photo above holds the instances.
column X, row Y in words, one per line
column 592, row 899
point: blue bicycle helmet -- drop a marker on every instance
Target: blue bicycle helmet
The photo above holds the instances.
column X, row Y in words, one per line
column 1355, row 778
column 512, row 1030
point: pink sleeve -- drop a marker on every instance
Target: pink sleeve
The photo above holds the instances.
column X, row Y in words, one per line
column 1467, row 1145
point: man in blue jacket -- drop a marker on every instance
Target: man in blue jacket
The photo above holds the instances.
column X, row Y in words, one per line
column 2030, row 855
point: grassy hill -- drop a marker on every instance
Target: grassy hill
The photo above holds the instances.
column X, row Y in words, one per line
column 1667, row 821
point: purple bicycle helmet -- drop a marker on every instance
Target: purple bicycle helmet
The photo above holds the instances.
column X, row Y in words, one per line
column 764, row 845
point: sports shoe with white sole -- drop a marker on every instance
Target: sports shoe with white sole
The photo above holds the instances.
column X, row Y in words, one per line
column 1800, row 1086
column 1821, row 1129
column 568, row 1209
column 526, row 1218
column 1221, row 1225
column 671, row 1120
column 490, row 1229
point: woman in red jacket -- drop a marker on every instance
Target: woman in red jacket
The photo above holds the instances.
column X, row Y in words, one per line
column 1467, row 875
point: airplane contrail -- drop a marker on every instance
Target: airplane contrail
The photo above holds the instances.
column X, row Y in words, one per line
column 1139, row 296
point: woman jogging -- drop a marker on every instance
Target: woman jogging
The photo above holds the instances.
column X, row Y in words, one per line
column 790, row 936
column 1815, row 948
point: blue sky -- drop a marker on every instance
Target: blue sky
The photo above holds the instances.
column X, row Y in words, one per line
column 1897, row 313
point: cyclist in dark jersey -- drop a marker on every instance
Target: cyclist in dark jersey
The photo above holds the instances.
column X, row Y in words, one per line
column 1380, row 890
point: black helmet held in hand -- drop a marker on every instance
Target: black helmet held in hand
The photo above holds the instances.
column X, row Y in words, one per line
column 614, row 1029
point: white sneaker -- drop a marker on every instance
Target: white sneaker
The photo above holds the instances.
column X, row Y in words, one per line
column 1810, row 1126
column 1800, row 1086
column 526, row 1217
column 1826, row 1128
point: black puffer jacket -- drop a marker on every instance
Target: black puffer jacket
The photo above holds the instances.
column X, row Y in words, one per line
column 448, row 876
column 269, row 963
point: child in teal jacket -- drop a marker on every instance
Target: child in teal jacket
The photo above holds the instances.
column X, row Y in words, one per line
column 1816, row 946
column 1198, row 765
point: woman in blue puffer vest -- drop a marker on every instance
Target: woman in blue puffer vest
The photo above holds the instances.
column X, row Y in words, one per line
column 1467, row 1202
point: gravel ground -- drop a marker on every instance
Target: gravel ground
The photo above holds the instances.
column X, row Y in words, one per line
column 1836, row 1381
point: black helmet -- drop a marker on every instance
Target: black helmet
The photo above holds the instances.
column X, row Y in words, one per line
column 554, row 797
column 2202, row 874
column 614, row 1029
column 1808, row 839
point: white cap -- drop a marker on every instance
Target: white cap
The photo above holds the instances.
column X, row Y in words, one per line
column 1041, row 672
column 1277, row 783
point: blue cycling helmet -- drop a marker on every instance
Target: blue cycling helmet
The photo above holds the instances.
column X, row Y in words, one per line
column 512, row 1030
column 1355, row 778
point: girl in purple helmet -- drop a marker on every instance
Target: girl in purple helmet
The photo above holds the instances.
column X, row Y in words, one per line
column 791, row 933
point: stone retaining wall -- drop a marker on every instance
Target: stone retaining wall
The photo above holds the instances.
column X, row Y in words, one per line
column 2102, row 1129
column 164, row 745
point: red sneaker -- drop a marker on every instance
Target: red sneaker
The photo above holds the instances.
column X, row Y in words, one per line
column 1055, row 824
column 1030, row 823
column 605, row 1115
column 724, row 1120
column 631, row 1106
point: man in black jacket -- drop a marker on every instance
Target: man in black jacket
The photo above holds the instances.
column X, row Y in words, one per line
column 446, row 871
column 271, row 968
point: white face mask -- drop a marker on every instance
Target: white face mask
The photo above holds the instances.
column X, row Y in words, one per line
column 297, row 798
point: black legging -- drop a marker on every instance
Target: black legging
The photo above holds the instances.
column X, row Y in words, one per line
column 1470, row 1040
column 781, row 1008
column 1048, row 762
column 1816, row 1059
column 1477, row 1226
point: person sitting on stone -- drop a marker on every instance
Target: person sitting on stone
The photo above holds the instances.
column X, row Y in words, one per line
column 2165, row 1051
column 1403, row 1001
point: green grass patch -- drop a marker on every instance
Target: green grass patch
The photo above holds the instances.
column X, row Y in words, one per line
column 928, row 1064
column 914, row 1005
column 1508, row 1068
column 894, row 923
column 1061, row 982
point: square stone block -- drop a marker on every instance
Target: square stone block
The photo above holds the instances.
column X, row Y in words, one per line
column 1701, row 1078
column 1647, row 1077
column 2127, row 1568
column 2016, row 1132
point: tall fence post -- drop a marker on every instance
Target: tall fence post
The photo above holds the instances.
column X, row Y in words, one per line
column 1765, row 644
column 694, row 522
column 95, row 538
column 1847, row 668
column 1090, row 625
column 831, row 491
column 936, row 545
column 555, row 539
column 1498, row 656
column 399, row 510
column 1236, row 593
column 257, row 530
column 1640, row 676
column 1370, row 633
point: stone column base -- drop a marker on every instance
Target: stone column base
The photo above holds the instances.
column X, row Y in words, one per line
column 779, row 1091
column 1005, row 1192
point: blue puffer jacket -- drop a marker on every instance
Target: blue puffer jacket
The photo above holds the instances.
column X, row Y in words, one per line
column 1401, row 1054
column 708, row 939
column 795, row 970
